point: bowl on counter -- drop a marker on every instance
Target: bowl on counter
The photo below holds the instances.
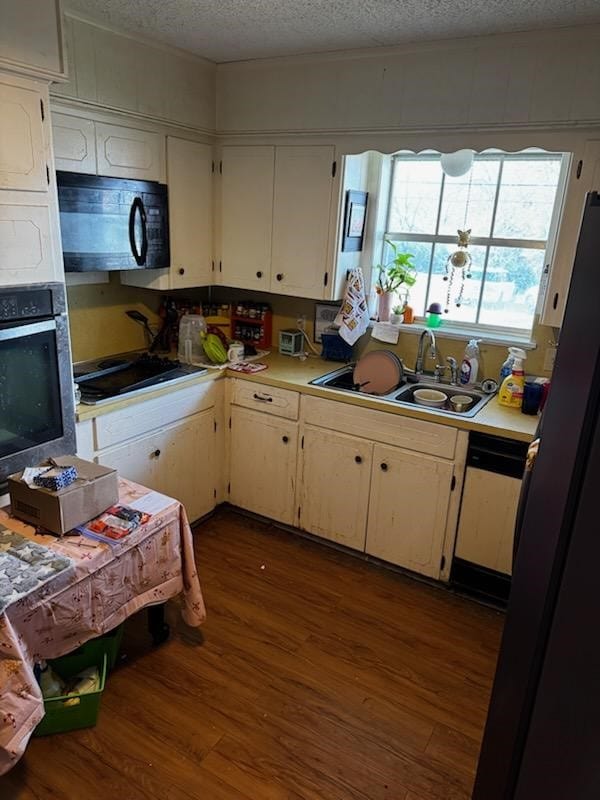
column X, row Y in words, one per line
column 430, row 397
column 461, row 402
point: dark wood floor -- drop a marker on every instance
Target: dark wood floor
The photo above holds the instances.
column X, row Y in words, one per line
column 317, row 677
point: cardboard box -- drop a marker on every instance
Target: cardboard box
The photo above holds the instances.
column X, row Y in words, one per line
column 95, row 489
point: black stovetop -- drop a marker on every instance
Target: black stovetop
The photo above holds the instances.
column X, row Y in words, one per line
column 120, row 375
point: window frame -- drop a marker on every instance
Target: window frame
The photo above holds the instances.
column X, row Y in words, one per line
column 547, row 245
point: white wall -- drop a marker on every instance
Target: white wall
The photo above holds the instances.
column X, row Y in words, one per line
column 118, row 72
column 548, row 79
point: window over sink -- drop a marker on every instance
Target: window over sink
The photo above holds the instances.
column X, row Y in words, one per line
column 510, row 204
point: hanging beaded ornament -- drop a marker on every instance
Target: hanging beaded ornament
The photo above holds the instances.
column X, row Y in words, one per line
column 458, row 264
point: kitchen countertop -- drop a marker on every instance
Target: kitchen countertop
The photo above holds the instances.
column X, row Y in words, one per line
column 290, row 373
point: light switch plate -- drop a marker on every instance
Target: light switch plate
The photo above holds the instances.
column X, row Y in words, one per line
column 549, row 357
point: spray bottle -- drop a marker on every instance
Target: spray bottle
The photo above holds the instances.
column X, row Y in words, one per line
column 511, row 391
column 470, row 363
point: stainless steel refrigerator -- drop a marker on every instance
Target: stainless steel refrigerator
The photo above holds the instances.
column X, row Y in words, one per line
column 542, row 736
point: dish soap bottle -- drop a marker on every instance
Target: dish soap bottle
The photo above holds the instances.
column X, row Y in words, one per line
column 470, row 363
column 511, row 391
column 506, row 369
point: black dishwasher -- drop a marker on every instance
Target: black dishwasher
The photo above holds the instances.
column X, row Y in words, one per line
column 482, row 563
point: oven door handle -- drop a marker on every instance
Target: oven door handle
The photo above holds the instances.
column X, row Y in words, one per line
column 18, row 331
column 137, row 207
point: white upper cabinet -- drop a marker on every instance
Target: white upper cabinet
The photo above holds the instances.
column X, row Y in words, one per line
column 190, row 182
column 31, row 40
column 584, row 176
column 26, row 241
column 190, row 179
column 129, row 153
column 74, row 140
column 301, row 219
column 246, row 217
column 29, row 233
column 275, row 219
column 22, row 145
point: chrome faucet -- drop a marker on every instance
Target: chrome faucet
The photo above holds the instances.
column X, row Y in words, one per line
column 453, row 370
column 421, row 350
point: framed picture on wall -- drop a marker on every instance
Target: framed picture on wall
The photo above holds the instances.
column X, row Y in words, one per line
column 355, row 215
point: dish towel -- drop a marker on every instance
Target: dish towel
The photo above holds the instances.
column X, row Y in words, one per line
column 353, row 317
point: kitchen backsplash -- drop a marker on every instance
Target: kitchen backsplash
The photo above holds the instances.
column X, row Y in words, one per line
column 99, row 325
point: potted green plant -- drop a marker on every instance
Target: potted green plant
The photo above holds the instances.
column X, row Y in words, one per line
column 398, row 272
column 397, row 312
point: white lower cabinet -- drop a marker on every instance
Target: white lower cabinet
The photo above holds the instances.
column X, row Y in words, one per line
column 408, row 510
column 391, row 488
column 334, row 486
column 263, row 463
column 487, row 519
column 178, row 461
column 171, row 443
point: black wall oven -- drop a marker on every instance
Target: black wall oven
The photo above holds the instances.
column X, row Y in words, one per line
column 112, row 223
column 37, row 414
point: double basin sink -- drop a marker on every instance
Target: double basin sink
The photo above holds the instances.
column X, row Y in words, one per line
column 404, row 395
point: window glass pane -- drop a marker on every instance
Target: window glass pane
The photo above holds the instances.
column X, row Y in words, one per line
column 526, row 198
column 415, row 196
column 511, row 287
column 483, row 177
column 421, row 252
column 438, row 290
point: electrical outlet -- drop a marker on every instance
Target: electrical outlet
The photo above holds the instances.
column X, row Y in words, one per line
column 549, row 358
column 301, row 322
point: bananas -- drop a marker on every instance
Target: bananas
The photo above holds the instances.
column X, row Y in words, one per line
column 213, row 347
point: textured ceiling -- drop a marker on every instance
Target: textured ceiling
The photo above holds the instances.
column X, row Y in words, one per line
column 226, row 30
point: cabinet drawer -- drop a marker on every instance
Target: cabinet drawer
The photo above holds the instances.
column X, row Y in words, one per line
column 280, row 402
column 148, row 415
column 378, row 426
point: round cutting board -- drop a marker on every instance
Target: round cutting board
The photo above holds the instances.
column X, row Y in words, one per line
column 378, row 372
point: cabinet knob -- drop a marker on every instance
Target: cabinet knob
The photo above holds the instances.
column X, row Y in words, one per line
column 384, row 466
column 181, row 271
column 156, row 453
column 279, row 276
column 358, row 459
column 259, row 274
column 285, row 439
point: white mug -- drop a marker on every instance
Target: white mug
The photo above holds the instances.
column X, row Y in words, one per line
column 235, row 352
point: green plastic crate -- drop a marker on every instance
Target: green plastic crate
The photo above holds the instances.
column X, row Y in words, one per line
column 62, row 714
column 110, row 643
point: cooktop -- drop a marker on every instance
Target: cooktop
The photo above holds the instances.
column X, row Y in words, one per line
column 121, row 376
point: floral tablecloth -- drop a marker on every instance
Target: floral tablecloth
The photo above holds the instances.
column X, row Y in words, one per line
column 104, row 586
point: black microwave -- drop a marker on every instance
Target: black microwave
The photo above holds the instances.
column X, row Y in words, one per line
column 112, row 223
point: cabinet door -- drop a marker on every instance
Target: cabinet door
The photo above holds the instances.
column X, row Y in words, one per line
column 301, row 209
column 408, row 509
column 246, row 217
column 26, row 242
column 22, row 146
column 190, row 179
column 263, row 464
column 129, row 153
column 336, row 475
column 186, row 465
column 137, row 460
column 74, row 140
column 487, row 519
column 563, row 255
column 178, row 461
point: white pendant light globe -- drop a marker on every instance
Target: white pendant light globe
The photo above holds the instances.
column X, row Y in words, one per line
column 456, row 164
